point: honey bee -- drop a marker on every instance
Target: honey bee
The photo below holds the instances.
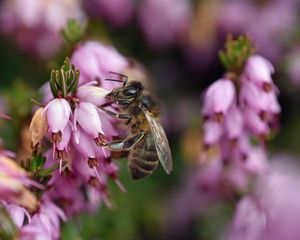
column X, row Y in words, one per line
column 147, row 143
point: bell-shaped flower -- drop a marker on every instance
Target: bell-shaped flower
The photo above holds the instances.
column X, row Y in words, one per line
column 212, row 132
column 18, row 214
column 84, row 144
column 234, row 123
column 44, row 224
column 86, row 115
column 92, row 94
column 258, row 70
column 13, row 180
column 58, row 112
column 95, row 60
column 254, row 122
column 66, row 136
column 219, row 97
column 257, row 99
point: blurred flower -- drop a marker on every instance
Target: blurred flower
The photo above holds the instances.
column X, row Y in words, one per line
column 270, row 36
column 272, row 210
column 13, row 182
column 218, row 98
column 115, row 12
column 235, row 110
column 164, row 22
column 18, row 214
column 95, row 61
column 44, row 224
column 36, row 25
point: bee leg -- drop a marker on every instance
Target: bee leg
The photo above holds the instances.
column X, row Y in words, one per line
column 124, row 145
column 117, row 115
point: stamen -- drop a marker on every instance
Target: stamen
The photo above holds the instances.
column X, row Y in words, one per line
column 93, row 162
column 56, row 137
column 120, row 185
column 60, row 166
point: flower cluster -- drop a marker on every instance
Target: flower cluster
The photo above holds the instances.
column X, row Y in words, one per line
column 239, row 109
column 77, row 167
column 72, row 175
column 269, row 212
column 35, row 24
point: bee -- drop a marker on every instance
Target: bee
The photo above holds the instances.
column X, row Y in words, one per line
column 147, row 142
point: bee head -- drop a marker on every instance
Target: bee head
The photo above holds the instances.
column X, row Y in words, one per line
column 125, row 95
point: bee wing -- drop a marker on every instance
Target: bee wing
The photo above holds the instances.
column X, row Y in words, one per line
column 161, row 143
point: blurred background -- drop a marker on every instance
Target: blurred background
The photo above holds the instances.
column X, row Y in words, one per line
column 177, row 43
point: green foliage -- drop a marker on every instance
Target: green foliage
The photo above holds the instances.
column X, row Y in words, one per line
column 235, row 53
column 64, row 80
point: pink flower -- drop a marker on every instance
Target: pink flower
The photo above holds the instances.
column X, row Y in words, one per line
column 110, row 10
column 269, row 212
column 84, row 144
column 66, row 136
column 234, row 123
column 219, row 97
column 95, row 60
column 35, row 24
column 87, row 117
column 156, row 16
column 18, row 214
column 92, row 94
column 212, row 132
column 13, row 182
column 58, row 113
column 44, row 224
column 259, row 70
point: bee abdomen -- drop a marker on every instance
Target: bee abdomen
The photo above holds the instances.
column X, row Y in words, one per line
column 142, row 165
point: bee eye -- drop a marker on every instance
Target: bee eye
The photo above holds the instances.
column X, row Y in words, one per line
column 131, row 91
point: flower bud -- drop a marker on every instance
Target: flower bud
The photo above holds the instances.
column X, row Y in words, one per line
column 38, row 127
column 92, row 94
column 219, row 97
column 58, row 113
column 88, row 118
column 258, row 70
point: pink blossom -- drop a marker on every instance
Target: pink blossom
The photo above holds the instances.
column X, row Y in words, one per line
column 13, row 182
column 66, row 136
column 35, row 24
column 271, row 211
column 254, row 122
column 84, row 144
column 18, row 214
column 87, row 117
column 110, row 10
column 58, row 112
column 92, row 94
column 259, row 70
column 95, row 60
column 212, row 132
column 219, row 97
column 44, row 224
column 234, row 123
column 156, row 16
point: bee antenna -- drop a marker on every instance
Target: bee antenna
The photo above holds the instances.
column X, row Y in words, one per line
column 121, row 75
column 114, row 80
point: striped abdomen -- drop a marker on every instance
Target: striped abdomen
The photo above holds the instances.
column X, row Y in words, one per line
column 143, row 159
